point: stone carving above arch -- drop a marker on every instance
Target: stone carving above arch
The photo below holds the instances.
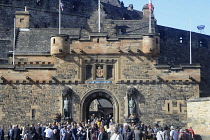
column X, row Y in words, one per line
column 66, row 91
column 131, row 91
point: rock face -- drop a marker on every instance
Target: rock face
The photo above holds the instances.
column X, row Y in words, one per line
column 82, row 64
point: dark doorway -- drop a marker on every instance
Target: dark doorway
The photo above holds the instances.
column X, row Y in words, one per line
column 99, row 103
column 100, row 108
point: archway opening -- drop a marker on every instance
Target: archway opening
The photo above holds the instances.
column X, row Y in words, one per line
column 99, row 103
column 99, row 108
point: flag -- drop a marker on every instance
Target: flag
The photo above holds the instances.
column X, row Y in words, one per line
column 151, row 8
column 61, row 4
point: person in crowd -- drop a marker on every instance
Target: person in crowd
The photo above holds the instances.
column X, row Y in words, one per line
column 94, row 131
column 48, row 132
column 1, row 133
column 43, row 131
column 103, row 135
column 127, row 132
column 173, row 134
column 189, row 135
column 68, row 134
column 159, row 134
column 182, row 135
column 166, row 133
column 17, row 133
column 110, row 130
column 120, row 128
column 138, row 134
column 74, row 131
column 145, row 132
column 32, row 135
column 63, row 132
column 55, row 135
column 10, row 133
column 38, row 131
column 191, row 132
column 116, row 135
column 149, row 133
column 82, row 134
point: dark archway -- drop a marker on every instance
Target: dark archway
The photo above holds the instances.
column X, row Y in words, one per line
column 97, row 94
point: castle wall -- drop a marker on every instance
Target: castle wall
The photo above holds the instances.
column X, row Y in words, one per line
column 198, row 115
column 174, row 50
column 162, row 102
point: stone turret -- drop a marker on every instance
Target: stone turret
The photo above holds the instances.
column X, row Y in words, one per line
column 151, row 44
column 59, row 45
column 22, row 18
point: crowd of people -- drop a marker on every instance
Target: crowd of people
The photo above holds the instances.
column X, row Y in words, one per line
column 96, row 129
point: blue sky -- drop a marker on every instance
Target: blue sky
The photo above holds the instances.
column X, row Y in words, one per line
column 177, row 13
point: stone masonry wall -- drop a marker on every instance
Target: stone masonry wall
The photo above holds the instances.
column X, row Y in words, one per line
column 198, row 115
column 174, row 50
column 157, row 102
column 18, row 101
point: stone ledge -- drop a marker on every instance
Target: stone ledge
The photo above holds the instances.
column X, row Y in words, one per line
column 199, row 99
column 181, row 67
column 23, row 67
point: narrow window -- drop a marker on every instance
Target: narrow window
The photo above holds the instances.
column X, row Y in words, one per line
column 156, row 40
column 123, row 30
column 97, row 40
column 88, row 71
column 180, row 40
column 180, row 107
column 201, row 43
column 54, row 41
column 168, row 107
column 21, row 19
column 109, row 71
column 33, row 113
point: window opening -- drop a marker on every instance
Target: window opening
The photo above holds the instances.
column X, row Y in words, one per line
column 88, row 71
column 109, row 71
column 33, row 113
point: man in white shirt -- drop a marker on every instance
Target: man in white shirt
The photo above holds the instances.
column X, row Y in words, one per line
column 48, row 131
column 159, row 134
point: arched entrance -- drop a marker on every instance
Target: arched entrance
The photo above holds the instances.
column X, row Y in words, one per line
column 99, row 94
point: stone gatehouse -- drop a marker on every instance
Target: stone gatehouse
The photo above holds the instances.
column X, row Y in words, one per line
column 122, row 63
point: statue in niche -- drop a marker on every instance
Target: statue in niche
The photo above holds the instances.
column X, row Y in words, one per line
column 66, row 108
column 131, row 102
column 132, row 107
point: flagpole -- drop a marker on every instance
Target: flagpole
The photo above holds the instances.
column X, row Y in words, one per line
column 150, row 16
column 99, row 17
column 190, row 44
column 59, row 17
column 13, row 55
column 150, row 21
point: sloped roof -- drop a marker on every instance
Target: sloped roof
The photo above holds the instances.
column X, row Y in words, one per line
column 37, row 39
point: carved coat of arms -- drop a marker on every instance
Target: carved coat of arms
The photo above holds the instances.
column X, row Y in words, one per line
column 99, row 72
